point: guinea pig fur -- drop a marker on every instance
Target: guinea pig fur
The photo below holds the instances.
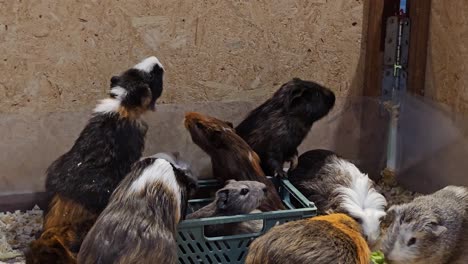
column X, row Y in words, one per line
column 235, row 198
column 430, row 229
column 58, row 244
column 139, row 224
column 276, row 128
column 334, row 238
column 80, row 182
column 336, row 185
column 231, row 156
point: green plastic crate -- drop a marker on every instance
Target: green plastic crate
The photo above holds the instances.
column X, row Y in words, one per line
column 194, row 247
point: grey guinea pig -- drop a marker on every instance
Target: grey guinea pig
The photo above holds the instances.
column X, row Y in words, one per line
column 140, row 222
column 430, row 229
column 236, row 197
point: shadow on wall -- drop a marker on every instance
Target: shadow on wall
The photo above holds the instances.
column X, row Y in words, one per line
column 30, row 143
column 433, row 147
column 361, row 135
column 433, row 143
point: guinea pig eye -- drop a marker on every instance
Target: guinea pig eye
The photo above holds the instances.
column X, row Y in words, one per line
column 199, row 125
column 359, row 220
column 411, row 241
column 244, row 191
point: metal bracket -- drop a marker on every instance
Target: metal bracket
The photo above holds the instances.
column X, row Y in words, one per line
column 394, row 78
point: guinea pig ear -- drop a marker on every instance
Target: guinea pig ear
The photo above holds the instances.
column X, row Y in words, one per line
column 391, row 214
column 114, row 80
column 435, row 228
column 229, row 124
column 223, row 196
column 176, row 154
column 229, row 181
column 296, row 97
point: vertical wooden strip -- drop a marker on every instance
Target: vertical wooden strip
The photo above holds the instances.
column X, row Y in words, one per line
column 374, row 55
column 419, row 12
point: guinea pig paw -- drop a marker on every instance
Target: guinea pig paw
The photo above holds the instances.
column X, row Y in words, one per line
column 282, row 174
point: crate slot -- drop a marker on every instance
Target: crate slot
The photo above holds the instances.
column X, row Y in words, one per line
column 191, row 260
column 241, row 256
column 226, row 244
column 191, row 248
column 181, row 248
column 200, row 247
column 209, row 246
column 192, row 237
column 226, row 257
column 218, row 246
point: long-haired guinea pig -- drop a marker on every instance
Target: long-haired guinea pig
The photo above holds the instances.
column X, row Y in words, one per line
column 276, row 128
column 236, row 197
column 81, row 181
column 231, row 156
column 334, row 238
column 430, row 229
column 336, row 185
column 139, row 224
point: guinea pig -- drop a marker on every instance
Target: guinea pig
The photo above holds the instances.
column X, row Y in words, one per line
column 139, row 224
column 430, row 229
column 58, row 244
column 276, row 128
column 235, row 198
column 80, row 182
column 334, row 238
column 336, row 185
column 231, row 156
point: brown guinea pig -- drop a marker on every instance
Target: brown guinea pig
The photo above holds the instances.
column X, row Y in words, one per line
column 235, row 198
column 334, row 238
column 231, row 157
column 276, row 128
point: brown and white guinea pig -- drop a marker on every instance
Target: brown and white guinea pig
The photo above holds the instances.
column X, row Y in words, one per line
column 276, row 128
column 334, row 238
column 80, row 182
column 139, row 223
column 235, row 198
column 430, row 229
column 231, row 157
column 336, row 185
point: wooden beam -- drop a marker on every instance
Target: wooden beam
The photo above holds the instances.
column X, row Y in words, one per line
column 22, row 202
column 374, row 54
column 419, row 12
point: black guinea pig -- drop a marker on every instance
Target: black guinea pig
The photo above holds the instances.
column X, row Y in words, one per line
column 276, row 128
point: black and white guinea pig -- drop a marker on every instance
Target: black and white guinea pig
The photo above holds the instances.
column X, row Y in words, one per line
column 80, row 182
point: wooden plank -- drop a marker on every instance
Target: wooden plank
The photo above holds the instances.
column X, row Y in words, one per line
column 374, row 54
column 419, row 12
column 22, row 202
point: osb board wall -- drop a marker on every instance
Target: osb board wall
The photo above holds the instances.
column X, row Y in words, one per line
column 59, row 55
column 447, row 67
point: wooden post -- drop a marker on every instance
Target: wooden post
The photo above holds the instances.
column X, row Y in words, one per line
column 374, row 54
column 419, row 12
